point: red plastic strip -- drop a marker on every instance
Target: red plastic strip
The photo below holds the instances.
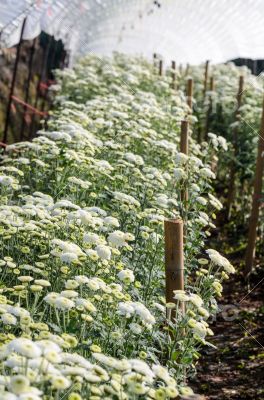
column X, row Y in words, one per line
column 43, row 113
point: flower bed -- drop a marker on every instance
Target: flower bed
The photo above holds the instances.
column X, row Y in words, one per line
column 83, row 313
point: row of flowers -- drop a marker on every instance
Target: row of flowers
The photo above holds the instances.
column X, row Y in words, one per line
column 82, row 307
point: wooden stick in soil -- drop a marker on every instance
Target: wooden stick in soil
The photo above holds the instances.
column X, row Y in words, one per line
column 256, row 201
column 174, row 260
column 231, row 189
column 27, row 89
column 173, row 75
column 209, row 111
column 187, row 69
column 206, row 77
column 154, row 59
column 160, row 67
column 12, row 89
column 184, row 148
column 189, row 92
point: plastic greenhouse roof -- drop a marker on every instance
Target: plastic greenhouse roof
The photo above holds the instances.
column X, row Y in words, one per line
column 183, row 30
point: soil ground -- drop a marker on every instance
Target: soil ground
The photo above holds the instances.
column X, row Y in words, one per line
column 235, row 370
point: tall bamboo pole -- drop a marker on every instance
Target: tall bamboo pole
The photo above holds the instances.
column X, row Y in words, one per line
column 26, row 98
column 184, row 148
column 160, row 67
column 189, row 92
column 173, row 75
column 253, row 221
column 206, row 77
column 41, row 77
column 13, row 81
column 154, row 58
column 231, row 189
column 209, row 111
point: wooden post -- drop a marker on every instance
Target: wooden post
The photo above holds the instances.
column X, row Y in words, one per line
column 231, row 189
column 174, row 258
column 184, row 148
column 11, row 93
column 41, row 77
column 209, row 111
column 189, row 92
column 187, row 69
column 160, row 67
column 206, row 77
column 173, row 75
column 240, row 93
column 253, row 221
column 180, row 69
column 184, row 137
column 154, row 60
column 26, row 98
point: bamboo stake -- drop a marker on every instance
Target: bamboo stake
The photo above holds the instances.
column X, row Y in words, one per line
column 209, row 111
column 231, row 190
column 187, row 69
column 184, row 145
column 180, row 69
column 154, row 59
column 160, row 67
column 174, row 259
column 173, row 66
column 8, row 111
column 206, row 77
column 253, row 221
column 184, row 148
column 189, row 92
column 26, row 98
column 41, row 77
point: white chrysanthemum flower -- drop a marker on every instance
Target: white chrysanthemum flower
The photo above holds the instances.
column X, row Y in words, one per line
column 63, row 303
column 86, row 304
column 42, row 282
column 179, row 174
column 48, row 345
column 71, row 284
column 126, row 198
column 126, row 309
column 60, row 382
column 207, row 173
column 215, row 202
column 181, row 295
column 81, row 279
column 104, row 252
column 111, row 221
column 91, row 238
column 144, row 313
column 196, row 300
column 221, row 261
column 25, row 347
column 51, row 298
column 201, row 200
column 117, row 239
column 8, row 319
column 68, row 257
column 134, row 158
column 181, row 158
column 126, row 275
column 162, row 373
column 19, row 384
column 135, row 328
column 86, row 217
column 79, row 182
column 69, row 294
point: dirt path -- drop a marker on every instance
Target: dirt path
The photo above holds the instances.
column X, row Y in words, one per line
column 236, row 369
